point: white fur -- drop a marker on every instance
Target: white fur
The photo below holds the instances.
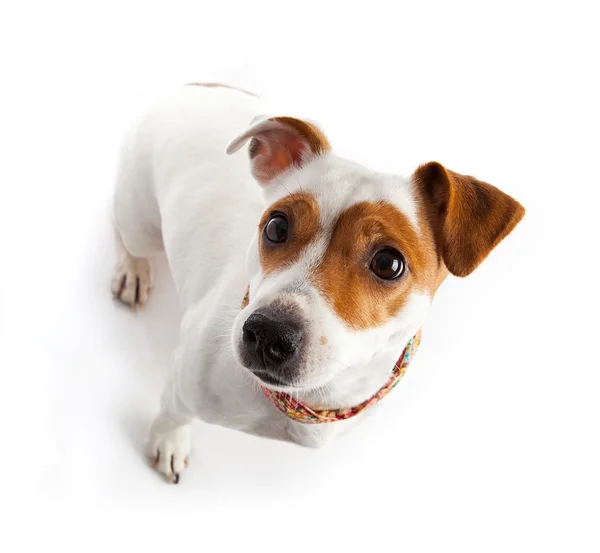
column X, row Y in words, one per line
column 178, row 190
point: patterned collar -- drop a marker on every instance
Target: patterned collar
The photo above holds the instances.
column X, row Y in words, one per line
column 300, row 412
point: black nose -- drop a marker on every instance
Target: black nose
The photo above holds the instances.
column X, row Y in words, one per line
column 271, row 342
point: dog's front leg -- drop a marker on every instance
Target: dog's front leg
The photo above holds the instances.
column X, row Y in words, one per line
column 170, row 442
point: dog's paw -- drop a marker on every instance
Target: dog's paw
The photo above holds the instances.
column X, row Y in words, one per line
column 132, row 280
column 169, row 452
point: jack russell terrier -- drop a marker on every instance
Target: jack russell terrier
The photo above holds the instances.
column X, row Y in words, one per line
column 304, row 276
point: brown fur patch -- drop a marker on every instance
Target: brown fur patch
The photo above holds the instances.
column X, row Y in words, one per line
column 302, row 213
column 356, row 294
column 317, row 141
column 219, row 85
column 468, row 217
column 274, row 150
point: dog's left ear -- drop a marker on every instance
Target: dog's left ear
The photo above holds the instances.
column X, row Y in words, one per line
column 278, row 144
column 469, row 217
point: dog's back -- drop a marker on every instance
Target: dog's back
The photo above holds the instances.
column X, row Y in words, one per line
column 177, row 190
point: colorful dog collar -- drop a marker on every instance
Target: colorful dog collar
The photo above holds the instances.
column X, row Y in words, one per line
column 300, row 412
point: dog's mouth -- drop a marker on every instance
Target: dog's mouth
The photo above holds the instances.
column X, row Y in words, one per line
column 272, row 381
column 268, row 375
column 282, row 376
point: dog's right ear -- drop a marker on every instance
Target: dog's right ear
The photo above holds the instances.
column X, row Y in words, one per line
column 278, row 144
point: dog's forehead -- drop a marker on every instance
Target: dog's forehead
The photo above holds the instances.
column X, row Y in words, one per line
column 337, row 184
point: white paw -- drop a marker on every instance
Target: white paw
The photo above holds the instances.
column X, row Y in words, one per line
column 169, row 451
column 132, row 280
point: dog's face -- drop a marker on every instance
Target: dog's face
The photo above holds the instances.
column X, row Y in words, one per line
column 345, row 261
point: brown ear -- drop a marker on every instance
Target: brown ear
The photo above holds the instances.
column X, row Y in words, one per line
column 469, row 217
column 279, row 143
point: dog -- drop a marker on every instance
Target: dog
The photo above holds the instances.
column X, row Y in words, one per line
column 304, row 276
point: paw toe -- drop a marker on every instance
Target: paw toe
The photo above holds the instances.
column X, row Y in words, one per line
column 132, row 282
column 168, row 453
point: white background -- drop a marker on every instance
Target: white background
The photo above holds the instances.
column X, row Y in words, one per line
column 491, row 441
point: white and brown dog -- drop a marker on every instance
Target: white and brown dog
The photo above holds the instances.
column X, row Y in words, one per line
column 342, row 263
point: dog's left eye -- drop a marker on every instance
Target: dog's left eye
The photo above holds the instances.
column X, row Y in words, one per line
column 387, row 264
column 276, row 229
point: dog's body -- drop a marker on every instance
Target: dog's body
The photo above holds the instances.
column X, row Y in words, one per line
column 322, row 325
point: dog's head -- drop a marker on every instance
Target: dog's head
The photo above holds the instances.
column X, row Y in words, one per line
column 345, row 261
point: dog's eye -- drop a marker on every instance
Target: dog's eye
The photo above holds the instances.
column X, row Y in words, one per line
column 277, row 229
column 387, row 264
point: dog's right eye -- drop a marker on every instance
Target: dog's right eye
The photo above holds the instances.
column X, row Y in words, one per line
column 276, row 229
